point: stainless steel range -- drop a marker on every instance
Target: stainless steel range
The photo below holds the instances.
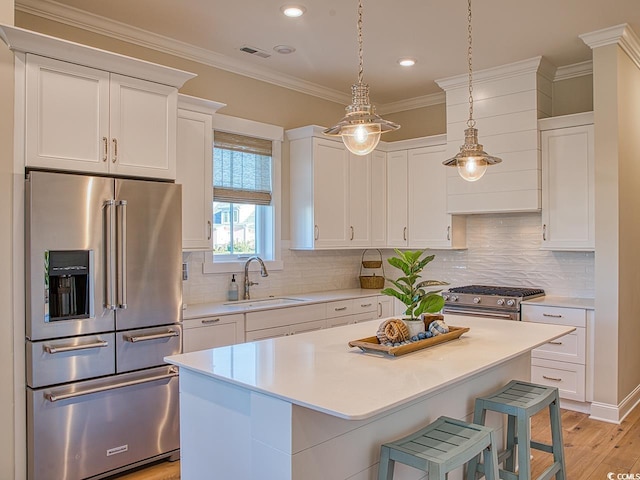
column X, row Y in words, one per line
column 488, row 301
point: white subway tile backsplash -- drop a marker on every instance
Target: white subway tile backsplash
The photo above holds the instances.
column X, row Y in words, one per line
column 503, row 249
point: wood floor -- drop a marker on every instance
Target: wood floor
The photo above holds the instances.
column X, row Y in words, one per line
column 592, row 449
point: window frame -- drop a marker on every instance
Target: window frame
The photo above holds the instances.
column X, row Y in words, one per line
column 274, row 133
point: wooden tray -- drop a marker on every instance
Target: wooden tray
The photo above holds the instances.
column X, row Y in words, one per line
column 372, row 345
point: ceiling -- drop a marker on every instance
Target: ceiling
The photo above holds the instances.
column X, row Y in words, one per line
column 325, row 62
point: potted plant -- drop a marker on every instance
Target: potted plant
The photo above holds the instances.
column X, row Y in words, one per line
column 410, row 290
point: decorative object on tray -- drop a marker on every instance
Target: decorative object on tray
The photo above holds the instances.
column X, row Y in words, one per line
column 372, row 281
column 372, row 344
column 411, row 291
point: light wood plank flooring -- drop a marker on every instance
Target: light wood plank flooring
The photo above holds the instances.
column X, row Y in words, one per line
column 592, row 449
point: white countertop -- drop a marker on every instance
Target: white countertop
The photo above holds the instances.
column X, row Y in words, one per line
column 200, row 310
column 319, row 371
column 566, row 302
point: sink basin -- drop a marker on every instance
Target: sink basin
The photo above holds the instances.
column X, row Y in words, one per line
column 264, row 302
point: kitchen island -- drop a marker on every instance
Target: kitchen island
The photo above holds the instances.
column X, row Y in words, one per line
column 308, row 407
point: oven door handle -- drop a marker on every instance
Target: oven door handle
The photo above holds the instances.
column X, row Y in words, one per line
column 475, row 313
column 74, row 348
column 154, row 336
column 53, row 397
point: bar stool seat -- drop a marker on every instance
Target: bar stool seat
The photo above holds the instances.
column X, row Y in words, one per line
column 520, row 401
column 440, row 447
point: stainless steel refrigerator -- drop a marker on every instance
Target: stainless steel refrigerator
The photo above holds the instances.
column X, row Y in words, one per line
column 104, row 307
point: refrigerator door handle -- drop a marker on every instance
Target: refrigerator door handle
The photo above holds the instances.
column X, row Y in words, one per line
column 109, row 245
column 155, row 336
column 73, row 348
column 121, row 253
column 54, row 397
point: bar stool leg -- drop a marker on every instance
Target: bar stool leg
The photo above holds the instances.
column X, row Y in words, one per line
column 510, row 462
column 385, row 467
column 524, row 447
column 556, row 438
column 491, row 460
column 479, row 415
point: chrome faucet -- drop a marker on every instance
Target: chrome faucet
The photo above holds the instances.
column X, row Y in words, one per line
column 247, row 282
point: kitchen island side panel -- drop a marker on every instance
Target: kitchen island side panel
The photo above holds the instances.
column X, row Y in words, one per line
column 243, row 434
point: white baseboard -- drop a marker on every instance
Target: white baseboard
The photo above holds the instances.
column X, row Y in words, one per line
column 582, row 407
column 615, row 413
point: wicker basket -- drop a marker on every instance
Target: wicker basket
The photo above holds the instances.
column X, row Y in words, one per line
column 371, row 281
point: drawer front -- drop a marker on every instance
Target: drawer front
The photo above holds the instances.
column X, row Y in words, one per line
column 569, row 348
column 70, row 359
column 284, row 316
column 284, row 331
column 568, row 377
column 349, row 319
column 146, row 347
column 307, row 327
column 366, row 304
column 341, row 308
column 576, row 317
column 212, row 321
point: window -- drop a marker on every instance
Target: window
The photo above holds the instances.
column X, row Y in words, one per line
column 246, row 194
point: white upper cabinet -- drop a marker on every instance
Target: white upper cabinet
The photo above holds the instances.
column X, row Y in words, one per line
column 378, row 213
column 397, row 199
column 568, row 182
column 194, row 170
column 359, row 200
column 89, row 120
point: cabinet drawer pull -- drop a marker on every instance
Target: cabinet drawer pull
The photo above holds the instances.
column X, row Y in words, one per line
column 551, row 315
column 365, row 305
column 209, row 321
column 555, row 343
column 340, row 309
column 552, row 378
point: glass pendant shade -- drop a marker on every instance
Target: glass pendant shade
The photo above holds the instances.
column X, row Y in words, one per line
column 472, row 161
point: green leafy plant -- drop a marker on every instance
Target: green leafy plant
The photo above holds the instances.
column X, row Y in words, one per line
column 409, row 289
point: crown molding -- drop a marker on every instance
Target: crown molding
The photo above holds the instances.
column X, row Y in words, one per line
column 573, row 71
column 412, row 103
column 93, row 23
column 621, row 35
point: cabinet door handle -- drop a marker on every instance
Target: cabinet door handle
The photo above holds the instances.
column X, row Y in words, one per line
column 209, row 321
column 555, row 343
column 209, row 229
column 340, row 309
column 379, row 310
column 115, row 151
column 105, row 140
column 552, row 378
column 404, row 234
column 544, row 232
column 351, row 232
column 551, row 315
column 449, row 233
column 316, row 232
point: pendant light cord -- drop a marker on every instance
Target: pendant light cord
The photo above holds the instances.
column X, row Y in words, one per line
column 471, row 122
column 360, row 56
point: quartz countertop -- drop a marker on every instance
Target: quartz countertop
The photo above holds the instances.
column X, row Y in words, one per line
column 565, row 302
column 318, row 370
column 200, row 310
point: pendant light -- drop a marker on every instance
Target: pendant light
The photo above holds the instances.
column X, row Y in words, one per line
column 472, row 160
column 361, row 128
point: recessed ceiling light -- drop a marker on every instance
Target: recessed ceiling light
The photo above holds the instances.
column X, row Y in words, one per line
column 293, row 10
column 284, row 49
column 407, row 62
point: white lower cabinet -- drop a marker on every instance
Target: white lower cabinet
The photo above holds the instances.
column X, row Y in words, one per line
column 345, row 312
column 564, row 362
column 211, row 332
column 281, row 322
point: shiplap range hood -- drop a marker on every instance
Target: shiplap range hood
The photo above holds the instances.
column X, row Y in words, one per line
column 508, row 101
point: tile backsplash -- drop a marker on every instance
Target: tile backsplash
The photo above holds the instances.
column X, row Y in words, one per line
column 502, row 249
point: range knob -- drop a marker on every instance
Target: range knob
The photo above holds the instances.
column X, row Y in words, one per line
column 455, row 298
column 500, row 301
column 476, row 300
column 445, row 296
column 511, row 303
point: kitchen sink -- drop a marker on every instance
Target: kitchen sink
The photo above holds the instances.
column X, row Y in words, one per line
column 265, row 302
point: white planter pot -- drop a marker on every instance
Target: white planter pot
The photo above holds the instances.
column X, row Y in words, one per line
column 414, row 326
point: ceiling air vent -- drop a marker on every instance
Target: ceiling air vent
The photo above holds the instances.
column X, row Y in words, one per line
column 255, row 51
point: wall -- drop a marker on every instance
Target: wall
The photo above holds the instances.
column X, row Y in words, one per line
column 10, row 384
column 574, row 95
column 502, row 249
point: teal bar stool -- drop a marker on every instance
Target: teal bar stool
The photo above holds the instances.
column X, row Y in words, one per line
column 520, row 400
column 440, row 447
